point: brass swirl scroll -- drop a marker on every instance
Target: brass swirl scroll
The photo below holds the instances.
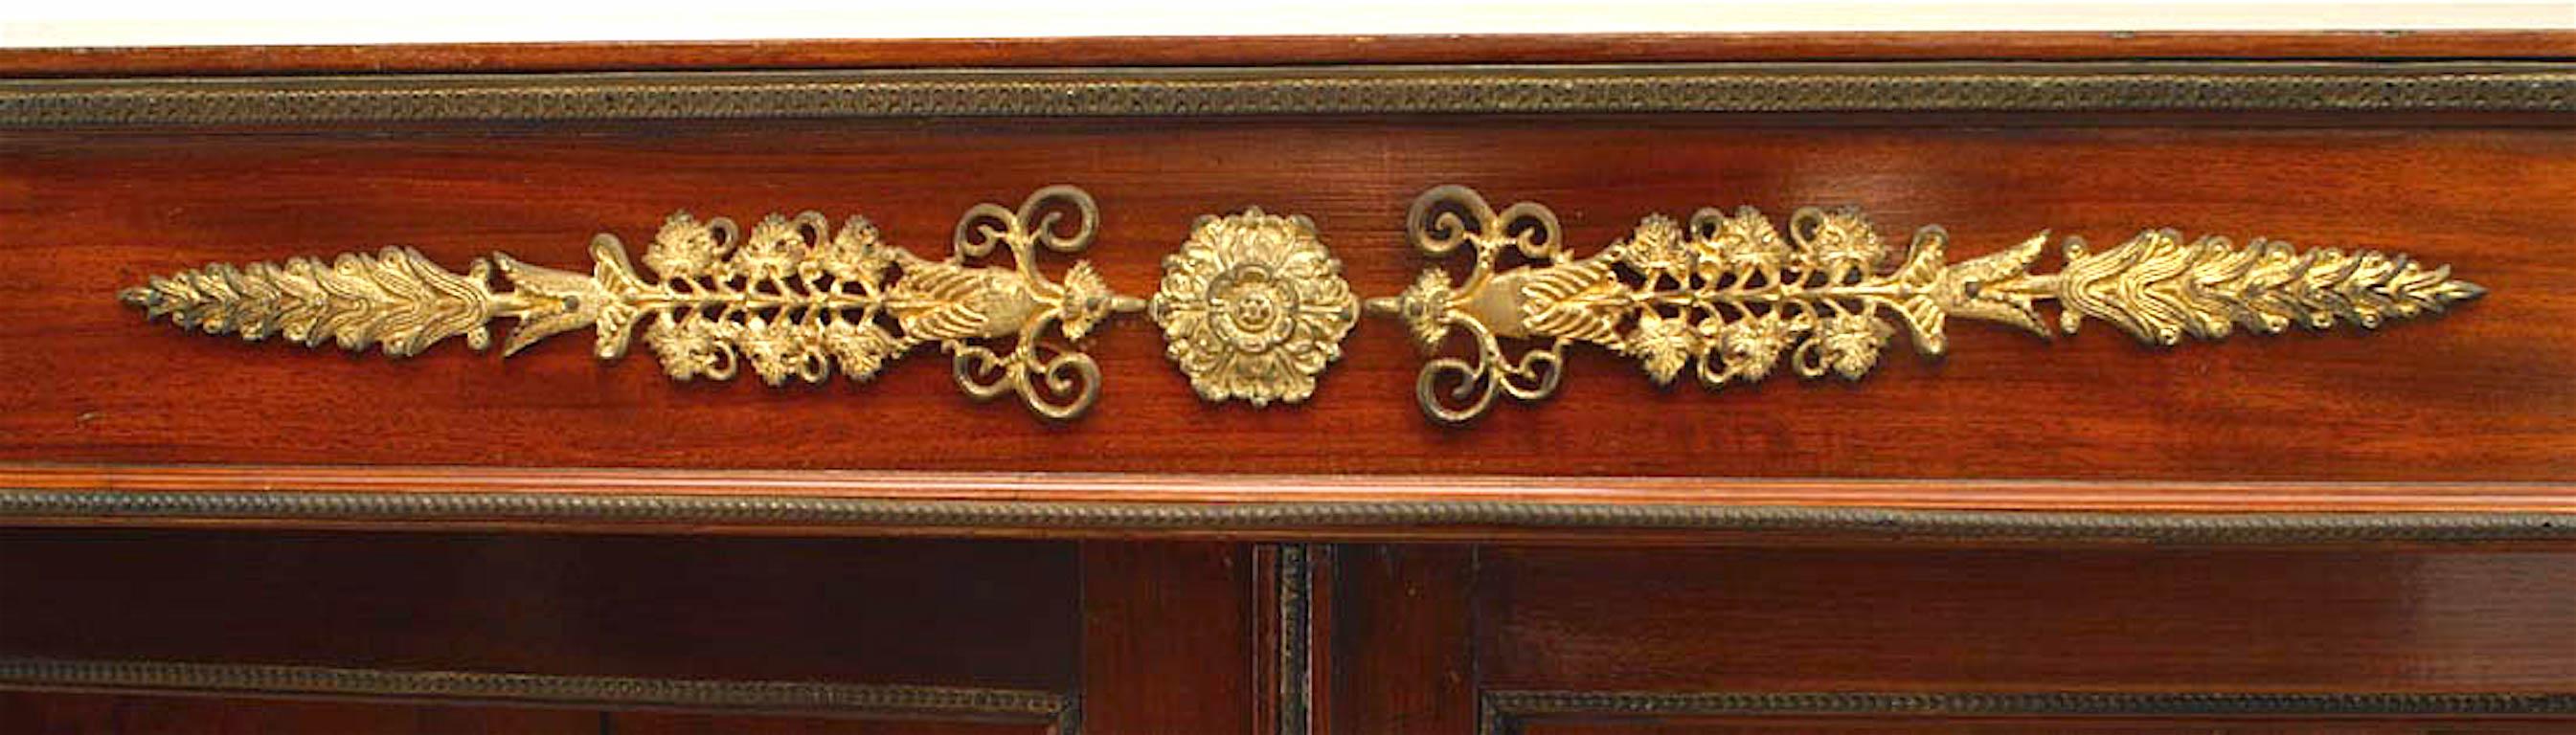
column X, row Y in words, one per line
column 1729, row 297
column 794, row 299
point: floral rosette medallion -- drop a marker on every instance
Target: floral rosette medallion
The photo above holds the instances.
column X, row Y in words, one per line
column 1253, row 307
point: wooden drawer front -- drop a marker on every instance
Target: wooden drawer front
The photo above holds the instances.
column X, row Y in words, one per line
column 1664, row 385
column 2471, row 395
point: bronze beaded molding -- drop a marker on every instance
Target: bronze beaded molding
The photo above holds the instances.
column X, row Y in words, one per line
column 538, row 689
column 1227, row 91
column 962, row 515
column 1502, row 710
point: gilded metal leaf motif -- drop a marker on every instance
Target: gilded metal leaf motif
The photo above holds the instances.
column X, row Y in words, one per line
column 1729, row 297
column 1253, row 307
column 794, row 300
column 394, row 299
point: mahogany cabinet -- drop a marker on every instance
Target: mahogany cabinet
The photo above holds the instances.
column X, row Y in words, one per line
column 1989, row 383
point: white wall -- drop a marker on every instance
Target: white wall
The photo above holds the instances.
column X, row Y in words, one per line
column 154, row 22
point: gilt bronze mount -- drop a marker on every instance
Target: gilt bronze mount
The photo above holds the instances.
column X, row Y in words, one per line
column 1254, row 307
column 1732, row 295
column 793, row 299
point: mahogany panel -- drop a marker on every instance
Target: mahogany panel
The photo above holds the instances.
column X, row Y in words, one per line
column 2345, row 725
column 68, row 714
column 1399, row 646
column 1168, row 631
column 2481, row 394
column 919, row 613
column 675, row 723
column 63, row 713
column 56, row 713
column 2025, row 620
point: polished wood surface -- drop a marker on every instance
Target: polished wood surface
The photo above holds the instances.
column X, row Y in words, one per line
column 1428, row 641
column 2307, row 533
column 2475, row 395
column 976, row 614
column 1404, row 638
column 2040, row 726
column 2008, row 620
column 107, row 714
column 1170, row 625
column 1397, row 637
column 1143, row 637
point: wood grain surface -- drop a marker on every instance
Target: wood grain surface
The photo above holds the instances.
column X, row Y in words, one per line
column 2034, row 726
column 1400, row 642
column 2154, row 620
column 2102, row 640
column 57, row 713
column 992, row 615
column 1168, row 638
column 2480, row 394
column 1930, row 573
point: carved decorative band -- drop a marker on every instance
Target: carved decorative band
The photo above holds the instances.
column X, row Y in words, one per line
column 598, row 691
column 1503, row 709
column 1846, row 87
column 1262, row 518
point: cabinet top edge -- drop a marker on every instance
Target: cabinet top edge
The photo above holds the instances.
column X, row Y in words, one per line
column 1397, row 89
column 1158, row 51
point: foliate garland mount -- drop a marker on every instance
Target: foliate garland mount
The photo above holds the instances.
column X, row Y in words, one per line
column 1729, row 294
column 1254, row 307
column 794, row 298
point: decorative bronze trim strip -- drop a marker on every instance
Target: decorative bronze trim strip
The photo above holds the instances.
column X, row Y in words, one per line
column 780, row 696
column 1259, row 517
column 1723, row 87
column 1502, row 709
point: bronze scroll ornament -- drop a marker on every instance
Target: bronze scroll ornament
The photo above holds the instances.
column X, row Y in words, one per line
column 793, row 299
column 1730, row 297
column 1253, row 306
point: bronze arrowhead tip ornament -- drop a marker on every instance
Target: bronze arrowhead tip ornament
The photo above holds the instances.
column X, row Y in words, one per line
column 794, row 299
column 1253, row 307
column 1729, row 297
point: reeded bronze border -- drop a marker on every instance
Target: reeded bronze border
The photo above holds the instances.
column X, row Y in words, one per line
column 1253, row 517
column 1218, row 91
column 1501, row 710
column 585, row 691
